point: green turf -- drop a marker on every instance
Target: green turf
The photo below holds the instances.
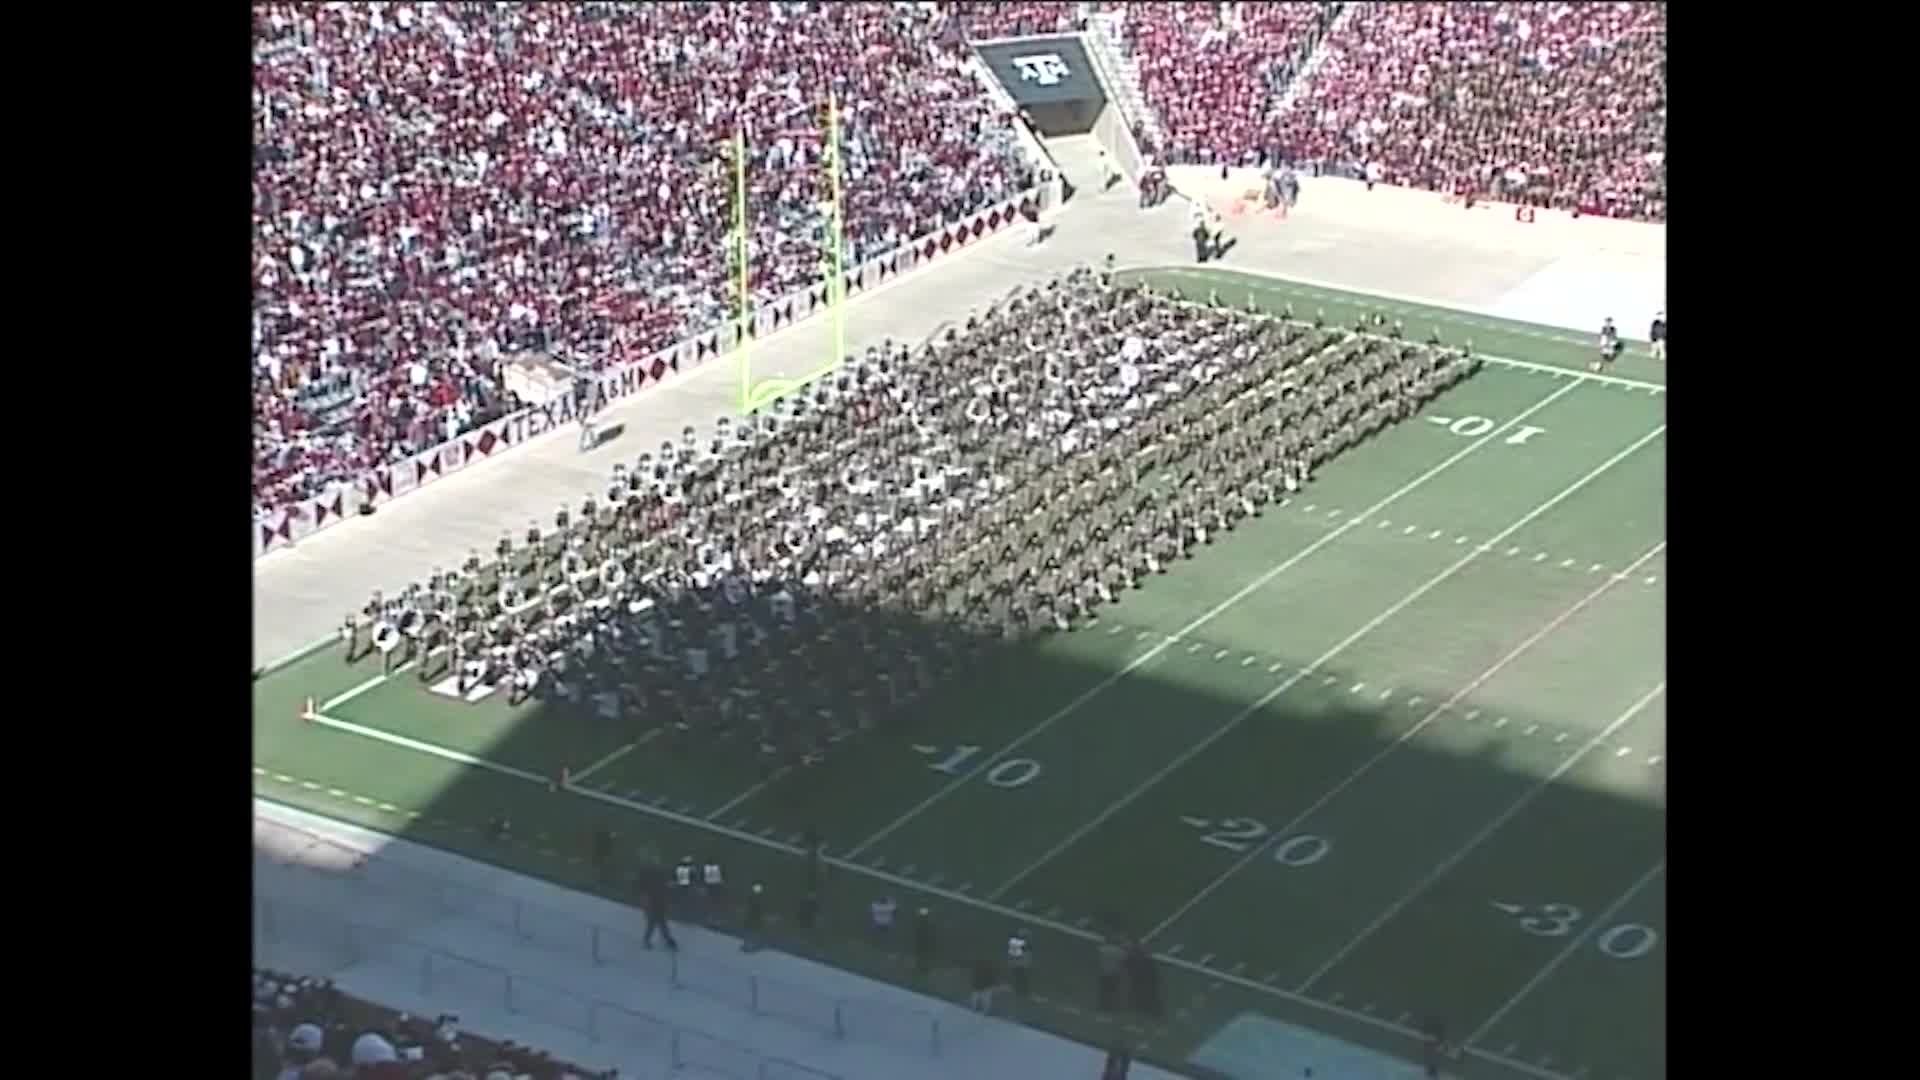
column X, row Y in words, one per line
column 1518, row 582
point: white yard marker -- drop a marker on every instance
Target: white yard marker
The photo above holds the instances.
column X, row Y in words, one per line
column 1435, row 534
column 1654, row 760
column 1512, row 551
column 623, row 751
column 1502, row 722
column 1531, row 728
column 1194, row 648
column 1414, row 701
column 1383, row 523
column 1604, row 919
column 1408, row 531
column 1221, row 655
column 1234, row 722
column 1271, row 668
column 1205, row 617
column 1623, row 751
column 1539, row 556
column 341, row 699
column 1595, row 568
column 1356, row 688
column 1564, row 563
column 1309, row 508
column 1458, row 540
column 1473, row 844
column 1653, row 581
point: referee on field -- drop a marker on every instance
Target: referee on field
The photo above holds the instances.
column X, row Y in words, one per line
column 1657, row 333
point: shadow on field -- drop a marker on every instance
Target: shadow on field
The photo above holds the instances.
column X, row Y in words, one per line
column 1125, row 877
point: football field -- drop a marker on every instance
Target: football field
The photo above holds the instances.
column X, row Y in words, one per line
column 1389, row 756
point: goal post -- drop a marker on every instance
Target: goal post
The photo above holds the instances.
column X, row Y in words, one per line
column 758, row 393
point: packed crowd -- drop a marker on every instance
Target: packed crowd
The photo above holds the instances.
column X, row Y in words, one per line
column 437, row 186
column 306, row 1029
column 806, row 575
column 1553, row 105
column 1560, row 105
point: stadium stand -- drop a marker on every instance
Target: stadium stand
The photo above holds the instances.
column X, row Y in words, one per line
column 307, row 1029
column 1558, row 105
column 436, row 186
column 1553, row 105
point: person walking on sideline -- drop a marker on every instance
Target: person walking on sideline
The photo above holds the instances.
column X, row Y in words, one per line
column 1113, row 959
column 1020, row 963
column 923, row 943
column 985, row 978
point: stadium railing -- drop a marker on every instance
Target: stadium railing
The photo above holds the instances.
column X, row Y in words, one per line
column 446, row 976
column 284, row 526
column 526, row 924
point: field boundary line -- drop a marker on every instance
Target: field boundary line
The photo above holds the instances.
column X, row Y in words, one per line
column 1240, row 717
column 1567, row 950
column 1469, row 317
column 950, row 896
column 1446, row 865
column 1169, row 641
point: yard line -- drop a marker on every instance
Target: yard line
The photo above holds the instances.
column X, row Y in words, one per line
column 1225, row 729
column 1481, row 837
column 745, row 795
column 1290, row 827
column 1569, row 949
column 652, row 733
column 956, row 896
column 342, row 699
column 1251, row 587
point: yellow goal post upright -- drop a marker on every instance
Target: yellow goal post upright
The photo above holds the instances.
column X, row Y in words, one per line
column 758, row 394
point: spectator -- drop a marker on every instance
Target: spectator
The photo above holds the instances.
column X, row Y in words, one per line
column 437, row 188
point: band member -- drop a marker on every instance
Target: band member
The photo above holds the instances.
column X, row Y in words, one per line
column 1657, row 333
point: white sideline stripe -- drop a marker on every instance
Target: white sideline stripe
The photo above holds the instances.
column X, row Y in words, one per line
column 1225, row 729
column 651, row 734
column 1249, row 589
column 1579, row 940
column 956, row 896
column 1442, row 312
column 1480, row 837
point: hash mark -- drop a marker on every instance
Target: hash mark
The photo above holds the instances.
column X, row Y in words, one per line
column 1271, row 668
column 1022, row 905
column 1329, row 680
column 1051, row 913
column 740, row 822
column 1654, row 760
column 1218, row 655
column 1501, row 722
column 1414, row 701
column 1408, row 531
column 1473, row 714
column 1248, row 659
column 964, row 886
column 1623, row 751
column 766, row 830
column 1560, row 738
column 1272, row 979
column 1309, row 508
column 1207, row 959
column 907, row 870
column 1458, row 540
column 1652, row 580
column 1595, row 568
column 1435, row 534
column 1238, row 967
column 1356, row 688
column 1387, row 693
column 1539, row 556
column 1564, row 563
column 1382, row 523
column 1175, row 950
column 1512, row 551
column 1194, row 648
column 1531, row 728
column 1142, row 635
column 1333, row 513
column 1114, row 629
